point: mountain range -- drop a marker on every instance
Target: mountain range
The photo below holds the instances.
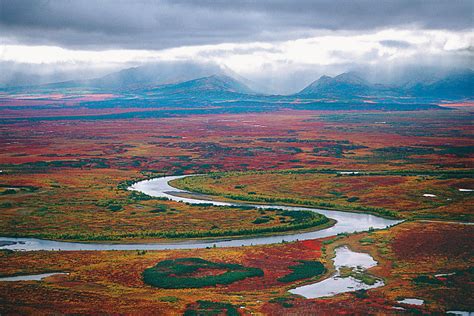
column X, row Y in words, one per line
column 194, row 80
column 459, row 84
column 213, row 83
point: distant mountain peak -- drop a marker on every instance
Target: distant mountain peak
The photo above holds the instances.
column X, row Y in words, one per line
column 457, row 84
column 344, row 83
column 351, row 77
column 146, row 76
column 220, row 82
column 324, row 77
column 216, row 83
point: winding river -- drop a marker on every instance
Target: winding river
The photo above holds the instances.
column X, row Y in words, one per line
column 159, row 187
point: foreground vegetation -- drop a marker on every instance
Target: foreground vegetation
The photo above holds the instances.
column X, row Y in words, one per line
column 67, row 179
column 424, row 260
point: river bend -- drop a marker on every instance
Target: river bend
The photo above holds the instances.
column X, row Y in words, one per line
column 346, row 222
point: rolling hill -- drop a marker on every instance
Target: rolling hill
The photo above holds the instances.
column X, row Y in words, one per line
column 456, row 85
column 209, row 84
column 340, row 86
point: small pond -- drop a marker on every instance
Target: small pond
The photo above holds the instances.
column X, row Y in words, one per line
column 341, row 282
column 30, row 277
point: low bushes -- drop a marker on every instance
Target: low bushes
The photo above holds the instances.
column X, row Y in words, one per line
column 178, row 273
column 426, row 279
column 304, row 270
column 262, row 219
column 210, row 308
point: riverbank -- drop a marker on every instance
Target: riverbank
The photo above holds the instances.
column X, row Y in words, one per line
column 343, row 223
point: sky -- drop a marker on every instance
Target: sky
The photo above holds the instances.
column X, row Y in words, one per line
column 283, row 45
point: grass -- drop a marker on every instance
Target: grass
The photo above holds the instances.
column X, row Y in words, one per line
column 358, row 275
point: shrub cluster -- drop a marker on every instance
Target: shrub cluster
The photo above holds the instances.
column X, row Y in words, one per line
column 304, row 270
column 201, row 308
column 177, row 273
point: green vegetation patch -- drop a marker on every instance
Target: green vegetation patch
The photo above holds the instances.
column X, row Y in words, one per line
column 169, row 299
column 185, row 273
column 286, row 302
column 426, row 279
column 358, row 275
column 6, row 189
column 208, row 308
column 262, row 219
column 367, row 241
column 304, row 270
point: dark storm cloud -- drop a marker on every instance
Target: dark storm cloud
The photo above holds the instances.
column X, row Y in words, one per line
column 163, row 24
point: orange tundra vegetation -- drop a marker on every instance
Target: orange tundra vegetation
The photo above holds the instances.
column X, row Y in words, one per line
column 67, row 179
column 98, row 280
column 103, row 277
column 65, row 171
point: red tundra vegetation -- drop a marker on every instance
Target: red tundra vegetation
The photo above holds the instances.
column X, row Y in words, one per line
column 64, row 175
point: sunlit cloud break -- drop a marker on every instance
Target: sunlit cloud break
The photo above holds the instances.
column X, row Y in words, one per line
column 328, row 49
column 249, row 59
